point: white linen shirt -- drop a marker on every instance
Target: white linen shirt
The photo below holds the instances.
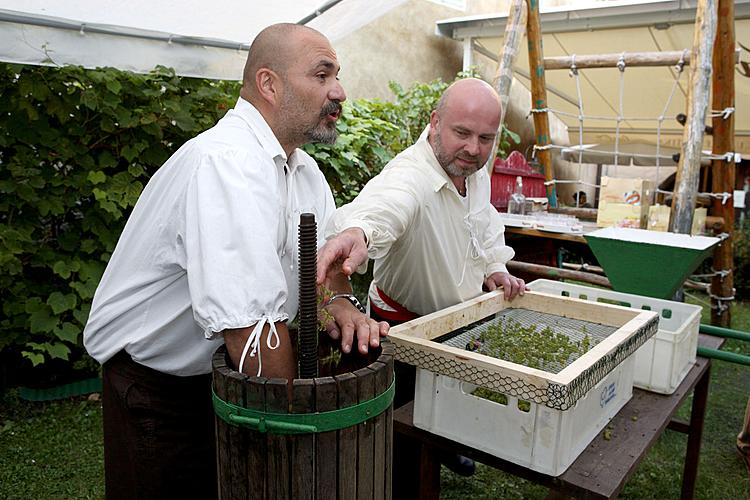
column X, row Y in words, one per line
column 211, row 244
column 432, row 250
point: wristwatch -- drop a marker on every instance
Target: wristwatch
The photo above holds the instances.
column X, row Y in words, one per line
column 348, row 296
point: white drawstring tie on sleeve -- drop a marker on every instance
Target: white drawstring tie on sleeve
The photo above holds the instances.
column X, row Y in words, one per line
column 254, row 341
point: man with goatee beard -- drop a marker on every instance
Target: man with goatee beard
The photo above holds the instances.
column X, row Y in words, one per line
column 427, row 221
column 209, row 254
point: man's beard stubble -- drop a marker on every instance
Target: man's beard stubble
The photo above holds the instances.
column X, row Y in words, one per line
column 324, row 131
column 449, row 164
column 298, row 130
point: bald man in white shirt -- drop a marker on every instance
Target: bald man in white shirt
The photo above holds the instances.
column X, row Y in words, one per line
column 427, row 221
column 209, row 255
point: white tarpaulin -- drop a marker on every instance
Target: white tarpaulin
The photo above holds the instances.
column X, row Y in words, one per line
column 196, row 37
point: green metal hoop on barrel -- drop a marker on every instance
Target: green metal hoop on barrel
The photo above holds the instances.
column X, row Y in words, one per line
column 303, row 423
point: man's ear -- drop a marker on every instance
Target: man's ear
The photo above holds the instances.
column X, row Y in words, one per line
column 434, row 120
column 268, row 84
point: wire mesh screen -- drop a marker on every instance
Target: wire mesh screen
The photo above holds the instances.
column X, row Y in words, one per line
column 578, row 332
column 553, row 395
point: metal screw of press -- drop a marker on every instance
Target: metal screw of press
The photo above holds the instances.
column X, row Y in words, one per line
column 308, row 304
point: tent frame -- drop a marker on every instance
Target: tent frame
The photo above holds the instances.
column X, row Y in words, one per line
column 713, row 52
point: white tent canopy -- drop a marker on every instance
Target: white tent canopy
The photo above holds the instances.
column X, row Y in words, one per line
column 197, row 38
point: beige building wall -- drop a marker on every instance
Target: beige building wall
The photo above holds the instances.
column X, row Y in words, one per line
column 401, row 45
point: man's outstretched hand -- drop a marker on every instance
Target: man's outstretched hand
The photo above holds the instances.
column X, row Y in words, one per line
column 343, row 253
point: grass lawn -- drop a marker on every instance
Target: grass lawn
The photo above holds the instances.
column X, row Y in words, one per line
column 51, row 450
column 54, row 450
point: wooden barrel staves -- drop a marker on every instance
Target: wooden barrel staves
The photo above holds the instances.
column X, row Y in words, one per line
column 332, row 440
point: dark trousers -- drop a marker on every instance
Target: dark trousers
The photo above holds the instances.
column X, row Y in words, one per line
column 158, row 433
column 405, row 449
column 405, row 374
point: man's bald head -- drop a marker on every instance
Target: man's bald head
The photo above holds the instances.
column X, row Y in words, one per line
column 463, row 128
column 469, row 92
column 291, row 78
column 274, row 48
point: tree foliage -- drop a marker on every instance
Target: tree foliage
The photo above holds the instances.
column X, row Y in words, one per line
column 78, row 146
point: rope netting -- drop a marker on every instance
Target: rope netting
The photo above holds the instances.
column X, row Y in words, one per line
column 659, row 158
column 619, row 119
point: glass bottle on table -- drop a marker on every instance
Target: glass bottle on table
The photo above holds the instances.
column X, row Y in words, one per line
column 517, row 201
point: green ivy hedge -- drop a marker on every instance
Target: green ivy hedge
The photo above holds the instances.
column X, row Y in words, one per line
column 76, row 148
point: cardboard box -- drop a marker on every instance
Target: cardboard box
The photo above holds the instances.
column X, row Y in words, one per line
column 658, row 218
column 699, row 221
column 624, row 202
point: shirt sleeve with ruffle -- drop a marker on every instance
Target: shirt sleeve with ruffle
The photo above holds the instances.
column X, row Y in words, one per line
column 232, row 215
column 384, row 209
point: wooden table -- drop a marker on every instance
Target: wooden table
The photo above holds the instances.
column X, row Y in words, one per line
column 604, row 467
column 524, row 231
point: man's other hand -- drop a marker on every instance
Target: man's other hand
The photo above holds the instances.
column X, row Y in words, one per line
column 349, row 323
column 345, row 252
column 512, row 286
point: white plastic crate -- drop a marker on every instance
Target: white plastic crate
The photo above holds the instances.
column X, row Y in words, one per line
column 543, row 439
column 664, row 360
column 568, row 405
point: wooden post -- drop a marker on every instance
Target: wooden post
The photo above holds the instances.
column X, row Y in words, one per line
column 688, row 170
column 539, row 95
column 514, row 30
column 722, row 172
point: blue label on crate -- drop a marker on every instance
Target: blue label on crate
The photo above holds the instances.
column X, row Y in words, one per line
column 608, row 394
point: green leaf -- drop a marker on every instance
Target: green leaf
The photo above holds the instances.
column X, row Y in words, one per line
column 59, row 350
column 34, row 304
column 61, row 303
column 107, row 160
column 96, row 177
column 129, row 152
column 82, row 314
column 88, row 99
column 68, row 332
column 35, row 358
column 135, row 170
column 515, row 137
column 114, row 86
column 42, row 322
column 62, row 269
column 184, row 120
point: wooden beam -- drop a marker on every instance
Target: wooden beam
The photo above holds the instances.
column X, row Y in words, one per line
column 630, row 59
column 514, row 31
column 539, row 95
column 688, row 169
column 722, row 172
column 557, row 273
